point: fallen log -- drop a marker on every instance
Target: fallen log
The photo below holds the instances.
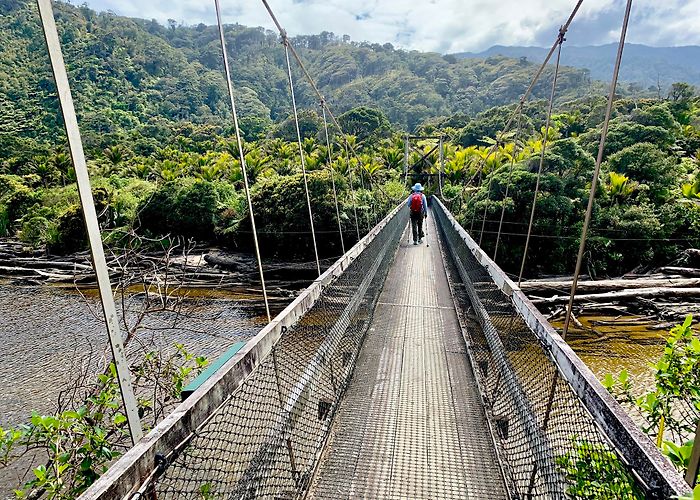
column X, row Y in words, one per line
column 621, row 295
column 682, row 271
column 601, row 286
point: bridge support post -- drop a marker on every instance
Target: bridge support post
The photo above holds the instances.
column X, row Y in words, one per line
column 75, row 144
column 405, row 159
column 441, row 172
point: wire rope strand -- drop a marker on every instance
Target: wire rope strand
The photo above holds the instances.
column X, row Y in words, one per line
column 542, row 153
column 332, row 173
column 352, row 190
column 301, row 151
column 530, row 88
column 486, row 205
column 241, row 153
column 510, row 179
column 313, row 85
column 471, row 226
column 596, row 172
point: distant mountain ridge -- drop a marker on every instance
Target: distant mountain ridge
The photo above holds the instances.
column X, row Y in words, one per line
column 641, row 64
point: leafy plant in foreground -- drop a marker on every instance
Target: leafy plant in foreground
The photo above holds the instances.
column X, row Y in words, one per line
column 81, row 441
column 670, row 411
column 595, row 472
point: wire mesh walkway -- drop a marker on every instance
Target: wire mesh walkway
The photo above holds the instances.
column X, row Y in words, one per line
column 411, row 424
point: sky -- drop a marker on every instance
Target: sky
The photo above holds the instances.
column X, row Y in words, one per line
column 445, row 26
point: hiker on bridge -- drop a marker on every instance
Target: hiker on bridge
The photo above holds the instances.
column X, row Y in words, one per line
column 418, row 206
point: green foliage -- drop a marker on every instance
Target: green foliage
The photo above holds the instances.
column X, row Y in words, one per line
column 656, row 173
column 81, row 442
column 72, row 236
column 691, row 190
column 619, row 187
column 37, row 231
column 282, row 216
column 364, row 122
column 188, row 207
column 594, row 472
column 623, row 134
column 671, row 409
column 15, row 199
column 310, row 125
column 695, row 495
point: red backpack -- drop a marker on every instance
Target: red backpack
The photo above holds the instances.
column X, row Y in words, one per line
column 416, row 203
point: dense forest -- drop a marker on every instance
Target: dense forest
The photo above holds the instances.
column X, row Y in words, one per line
column 152, row 107
column 137, row 81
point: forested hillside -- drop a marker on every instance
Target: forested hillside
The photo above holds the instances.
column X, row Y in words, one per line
column 141, row 82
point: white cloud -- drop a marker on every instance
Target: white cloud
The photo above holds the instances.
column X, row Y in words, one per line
column 441, row 25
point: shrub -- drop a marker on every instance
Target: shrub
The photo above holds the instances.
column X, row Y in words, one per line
column 71, row 234
column 187, row 207
column 15, row 198
column 650, row 167
column 282, row 216
column 38, row 226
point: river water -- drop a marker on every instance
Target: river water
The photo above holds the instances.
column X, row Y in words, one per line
column 50, row 335
column 47, row 334
column 616, row 344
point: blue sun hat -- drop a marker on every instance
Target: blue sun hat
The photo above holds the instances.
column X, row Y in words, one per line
column 418, row 187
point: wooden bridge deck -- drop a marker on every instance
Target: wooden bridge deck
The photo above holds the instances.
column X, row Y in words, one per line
column 411, row 424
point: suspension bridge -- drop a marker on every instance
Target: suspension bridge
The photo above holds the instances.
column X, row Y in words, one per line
column 401, row 372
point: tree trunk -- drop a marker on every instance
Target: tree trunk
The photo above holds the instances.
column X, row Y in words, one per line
column 557, row 287
column 621, row 295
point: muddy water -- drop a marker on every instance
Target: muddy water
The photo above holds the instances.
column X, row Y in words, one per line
column 47, row 335
column 616, row 345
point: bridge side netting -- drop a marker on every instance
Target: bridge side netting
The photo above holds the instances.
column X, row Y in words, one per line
column 549, row 442
column 265, row 440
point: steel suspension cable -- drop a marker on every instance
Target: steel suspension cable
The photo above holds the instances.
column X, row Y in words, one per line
column 542, row 153
column 528, row 91
column 596, row 172
column 589, row 210
column 301, row 152
column 510, row 177
column 486, row 205
column 229, row 84
column 332, row 173
column 471, row 226
column 312, row 83
column 352, row 190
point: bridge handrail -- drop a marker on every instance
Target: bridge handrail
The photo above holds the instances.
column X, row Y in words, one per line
column 140, row 462
column 633, row 446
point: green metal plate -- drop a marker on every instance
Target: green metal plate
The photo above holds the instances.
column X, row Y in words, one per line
column 211, row 370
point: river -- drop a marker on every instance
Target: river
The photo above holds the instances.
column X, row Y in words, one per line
column 618, row 343
column 47, row 334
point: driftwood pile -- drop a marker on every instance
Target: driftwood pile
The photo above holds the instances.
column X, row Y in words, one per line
column 668, row 293
column 198, row 268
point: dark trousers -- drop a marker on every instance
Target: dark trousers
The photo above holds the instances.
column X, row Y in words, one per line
column 417, row 226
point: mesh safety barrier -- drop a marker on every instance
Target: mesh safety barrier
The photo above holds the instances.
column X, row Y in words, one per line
column 561, row 435
column 264, row 439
